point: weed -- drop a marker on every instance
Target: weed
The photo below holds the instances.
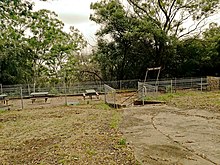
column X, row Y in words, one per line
column 102, row 106
column 91, row 152
column 2, row 111
column 115, row 120
column 122, row 142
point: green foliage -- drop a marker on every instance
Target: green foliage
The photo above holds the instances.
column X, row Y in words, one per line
column 2, row 111
column 115, row 120
column 151, row 33
column 167, row 97
column 34, row 48
column 122, row 142
column 102, row 106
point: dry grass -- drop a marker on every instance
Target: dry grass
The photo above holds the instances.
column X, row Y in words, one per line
column 82, row 134
column 193, row 100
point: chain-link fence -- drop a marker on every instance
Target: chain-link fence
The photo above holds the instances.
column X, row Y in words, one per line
column 23, row 91
column 61, row 89
column 171, row 85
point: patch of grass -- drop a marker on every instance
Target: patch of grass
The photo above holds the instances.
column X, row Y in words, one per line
column 191, row 99
column 122, row 142
column 115, row 120
column 2, row 111
column 169, row 96
column 91, row 152
column 102, row 106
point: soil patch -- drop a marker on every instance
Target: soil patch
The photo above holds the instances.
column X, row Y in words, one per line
column 82, row 134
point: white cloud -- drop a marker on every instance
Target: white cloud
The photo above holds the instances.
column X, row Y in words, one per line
column 73, row 13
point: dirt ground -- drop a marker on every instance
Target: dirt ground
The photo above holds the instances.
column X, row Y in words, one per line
column 77, row 134
column 16, row 104
column 185, row 131
column 164, row 135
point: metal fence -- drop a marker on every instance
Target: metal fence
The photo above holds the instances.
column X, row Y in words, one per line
column 164, row 85
column 172, row 85
column 62, row 89
column 110, row 95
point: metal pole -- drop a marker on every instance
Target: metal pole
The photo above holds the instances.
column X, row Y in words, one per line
column 105, row 93
column 171, row 86
column 175, row 84
column 22, row 103
column 201, row 83
column 34, row 87
column 29, row 92
column 115, row 99
column 1, row 88
column 65, row 89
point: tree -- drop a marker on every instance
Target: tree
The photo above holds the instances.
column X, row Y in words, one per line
column 146, row 33
column 125, row 44
column 14, row 50
column 113, row 56
column 170, row 16
column 34, row 47
column 212, row 39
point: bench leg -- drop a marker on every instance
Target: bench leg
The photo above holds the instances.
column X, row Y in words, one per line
column 46, row 99
column 33, row 100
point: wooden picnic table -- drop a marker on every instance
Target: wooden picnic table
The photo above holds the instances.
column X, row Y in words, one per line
column 202, row 86
column 90, row 93
column 36, row 95
column 4, row 99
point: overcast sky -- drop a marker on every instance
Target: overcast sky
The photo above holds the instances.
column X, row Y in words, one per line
column 73, row 13
column 76, row 13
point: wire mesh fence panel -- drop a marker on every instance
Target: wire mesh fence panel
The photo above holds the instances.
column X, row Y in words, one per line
column 176, row 84
column 123, row 84
column 146, row 90
column 110, row 94
column 164, row 85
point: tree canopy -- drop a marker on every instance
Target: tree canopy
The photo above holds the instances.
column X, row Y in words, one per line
column 33, row 46
column 149, row 33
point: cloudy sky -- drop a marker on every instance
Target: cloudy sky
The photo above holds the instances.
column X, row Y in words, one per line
column 76, row 13
column 73, row 13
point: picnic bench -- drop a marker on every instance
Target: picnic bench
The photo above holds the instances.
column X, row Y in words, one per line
column 202, row 86
column 90, row 93
column 37, row 95
column 4, row 99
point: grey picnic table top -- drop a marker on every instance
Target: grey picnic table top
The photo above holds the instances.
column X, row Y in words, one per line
column 36, row 94
column 3, row 96
column 90, row 91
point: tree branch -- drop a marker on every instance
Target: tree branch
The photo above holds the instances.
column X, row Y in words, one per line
column 190, row 31
column 94, row 73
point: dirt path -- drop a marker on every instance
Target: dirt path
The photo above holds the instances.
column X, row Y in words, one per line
column 164, row 135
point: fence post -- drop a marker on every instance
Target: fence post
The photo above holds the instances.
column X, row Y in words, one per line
column 34, row 87
column 1, row 88
column 105, row 94
column 171, row 86
column 201, row 83
column 22, row 103
column 29, row 92
column 65, row 94
column 115, row 106
column 175, row 84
